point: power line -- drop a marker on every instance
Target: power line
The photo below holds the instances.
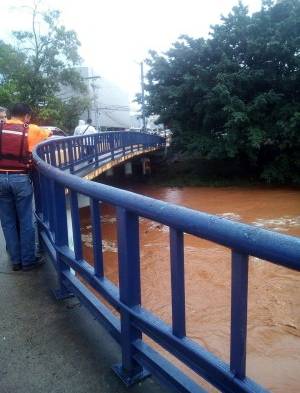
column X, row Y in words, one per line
column 123, row 108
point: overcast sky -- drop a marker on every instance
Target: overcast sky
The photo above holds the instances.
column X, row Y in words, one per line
column 115, row 34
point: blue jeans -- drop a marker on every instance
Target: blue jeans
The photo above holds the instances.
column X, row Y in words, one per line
column 16, row 217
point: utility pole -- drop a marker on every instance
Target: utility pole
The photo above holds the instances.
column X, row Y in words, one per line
column 94, row 99
column 143, row 97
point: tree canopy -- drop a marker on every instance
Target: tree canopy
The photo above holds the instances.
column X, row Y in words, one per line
column 236, row 95
column 41, row 70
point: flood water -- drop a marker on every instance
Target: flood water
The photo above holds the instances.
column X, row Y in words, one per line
column 273, row 349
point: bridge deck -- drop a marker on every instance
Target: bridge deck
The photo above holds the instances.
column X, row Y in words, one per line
column 49, row 346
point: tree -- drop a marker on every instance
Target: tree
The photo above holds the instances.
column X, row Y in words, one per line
column 236, row 95
column 41, row 67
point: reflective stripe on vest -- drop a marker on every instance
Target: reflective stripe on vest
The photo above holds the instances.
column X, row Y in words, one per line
column 13, row 132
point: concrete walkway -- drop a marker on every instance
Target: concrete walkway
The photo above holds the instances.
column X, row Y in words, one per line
column 53, row 347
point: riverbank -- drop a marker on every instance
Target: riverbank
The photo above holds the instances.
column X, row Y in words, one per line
column 175, row 171
column 178, row 171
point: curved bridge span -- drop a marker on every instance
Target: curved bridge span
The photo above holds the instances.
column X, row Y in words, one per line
column 91, row 155
column 57, row 161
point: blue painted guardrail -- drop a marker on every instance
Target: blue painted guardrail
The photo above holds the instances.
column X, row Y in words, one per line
column 55, row 161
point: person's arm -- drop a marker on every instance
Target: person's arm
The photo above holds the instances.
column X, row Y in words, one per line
column 36, row 135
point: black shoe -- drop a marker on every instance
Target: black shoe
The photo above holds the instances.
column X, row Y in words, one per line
column 16, row 267
column 38, row 263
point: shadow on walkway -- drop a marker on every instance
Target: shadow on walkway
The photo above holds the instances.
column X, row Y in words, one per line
column 49, row 346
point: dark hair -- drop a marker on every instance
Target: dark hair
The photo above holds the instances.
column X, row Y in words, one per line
column 21, row 109
column 89, row 121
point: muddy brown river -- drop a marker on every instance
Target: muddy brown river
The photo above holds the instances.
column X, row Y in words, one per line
column 273, row 344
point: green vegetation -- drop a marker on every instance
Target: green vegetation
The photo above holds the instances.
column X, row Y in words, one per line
column 39, row 66
column 234, row 99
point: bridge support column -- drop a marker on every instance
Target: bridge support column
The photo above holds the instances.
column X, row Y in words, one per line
column 128, row 168
column 146, row 166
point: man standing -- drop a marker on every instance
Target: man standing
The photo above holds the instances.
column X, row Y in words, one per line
column 90, row 143
column 80, row 128
column 89, row 128
column 17, row 139
column 84, row 129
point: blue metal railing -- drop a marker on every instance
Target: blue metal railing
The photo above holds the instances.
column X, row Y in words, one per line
column 54, row 160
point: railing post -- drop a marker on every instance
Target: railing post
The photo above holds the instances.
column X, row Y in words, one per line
column 97, row 237
column 177, row 281
column 71, row 155
column 51, row 204
column 44, row 198
column 65, row 159
column 37, row 191
column 52, row 155
column 38, row 206
column 112, row 146
column 239, row 302
column 130, row 294
column 131, row 142
column 76, row 225
column 124, row 139
column 95, row 139
column 60, row 237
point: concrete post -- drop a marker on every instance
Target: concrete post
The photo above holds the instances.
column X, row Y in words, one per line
column 128, row 168
column 146, row 166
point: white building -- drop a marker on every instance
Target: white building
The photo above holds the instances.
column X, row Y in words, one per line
column 110, row 104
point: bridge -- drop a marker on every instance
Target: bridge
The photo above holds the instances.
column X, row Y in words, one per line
column 61, row 165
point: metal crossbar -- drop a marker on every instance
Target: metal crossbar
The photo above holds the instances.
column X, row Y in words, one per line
column 56, row 163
